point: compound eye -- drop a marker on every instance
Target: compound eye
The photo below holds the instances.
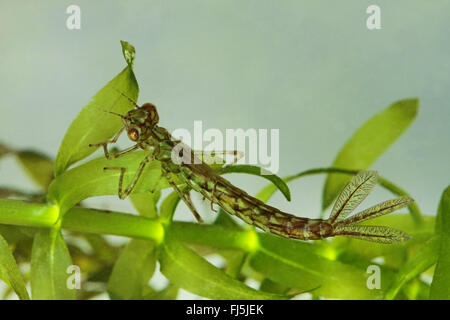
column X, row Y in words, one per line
column 152, row 113
column 133, row 134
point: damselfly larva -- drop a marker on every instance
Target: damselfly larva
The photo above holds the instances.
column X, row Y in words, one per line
column 141, row 125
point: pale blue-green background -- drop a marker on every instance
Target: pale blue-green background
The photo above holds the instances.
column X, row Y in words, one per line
column 308, row 68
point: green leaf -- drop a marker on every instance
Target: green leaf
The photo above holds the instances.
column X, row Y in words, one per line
column 92, row 125
column 268, row 285
column 13, row 234
column 133, row 270
column 188, row 270
column 296, row 265
column 235, row 259
column 257, row 171
column 443, row 207
column 89, row 179
column 128, row 52
column 102, row 249
column 145, row 203
column 416, row 289
column 50, row 260
column 440, row 287
column 38, row 166
column 9, row 272
column 368, row 143
column 422, row 259
column 168, row 206
column 170, row 292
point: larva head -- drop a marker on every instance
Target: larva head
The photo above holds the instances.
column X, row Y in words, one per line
column 140, row 121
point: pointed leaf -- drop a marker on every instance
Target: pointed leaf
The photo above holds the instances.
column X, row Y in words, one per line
column 235, row 259
column 170, row 292
column 186, row 269
column 38, row 166
column 145, row 203
column 128, row 52
column 268, row 285
column 50, row 260
column 133, row 270
column 422, row 259
column 102, row 248
column 168, row 206
column 440, row 287
column 368, row 143
column 92, row 125
column 9, row 272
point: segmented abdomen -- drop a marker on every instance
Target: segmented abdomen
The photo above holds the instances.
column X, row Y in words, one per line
column 253, row 211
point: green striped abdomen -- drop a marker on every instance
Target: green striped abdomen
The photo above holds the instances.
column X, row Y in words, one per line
column 253, row 211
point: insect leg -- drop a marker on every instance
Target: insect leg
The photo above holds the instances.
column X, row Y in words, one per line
column 185, row 197
column 212, row 197
column 124, row 193
column 238, row 155
column 104, row 144
column 209, row 156
column 124, row 152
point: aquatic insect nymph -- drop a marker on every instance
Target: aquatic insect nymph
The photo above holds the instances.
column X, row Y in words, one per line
column 141, row 125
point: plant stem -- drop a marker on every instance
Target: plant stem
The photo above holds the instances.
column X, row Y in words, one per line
column 79, row 219
column 133, row 226
column 215, row 235
column 27, row 213
column 115, row 223
column 413, row 207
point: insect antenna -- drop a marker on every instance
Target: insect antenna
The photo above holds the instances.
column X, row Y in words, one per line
column 116, row 114
column 128, row 98
column 112, row 112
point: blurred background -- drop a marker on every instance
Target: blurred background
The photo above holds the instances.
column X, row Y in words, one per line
column 310, row 69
